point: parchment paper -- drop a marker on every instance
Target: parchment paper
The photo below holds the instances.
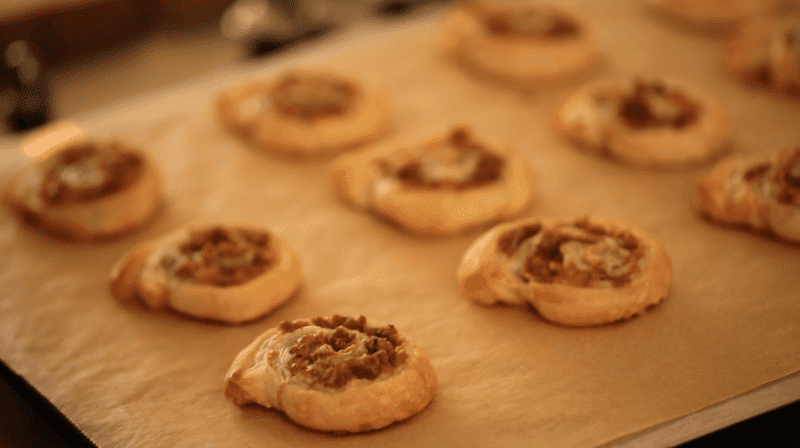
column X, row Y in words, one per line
column 128, row 376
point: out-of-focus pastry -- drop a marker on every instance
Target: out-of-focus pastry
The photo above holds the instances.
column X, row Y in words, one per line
column 713, row 15
column 647, row 122
column 305, row 113
column 759, row 192
column 524, row 43
column 227, row 273
column 438, row 185
column 86, row 189
column 766, row 53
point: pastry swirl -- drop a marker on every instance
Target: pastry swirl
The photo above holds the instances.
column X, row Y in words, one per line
column 521, row 43
column 645, row 122
column 87, row 189
column 338, row 374
column 305, row 113
column 228, row 273
column 578, row 272
column 765, row 53
column 441, row 185
column 759, row 192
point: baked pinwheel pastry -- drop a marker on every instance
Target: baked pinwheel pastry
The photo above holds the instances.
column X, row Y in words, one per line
column 575, row 272
column 759, row 192
column 227, row 273
column 86, row 189
column 713, row 14
column 521, row 42
column 339, row 374
column 766, row 53
column 305, row 113
column 442, row 185
column 645, row 122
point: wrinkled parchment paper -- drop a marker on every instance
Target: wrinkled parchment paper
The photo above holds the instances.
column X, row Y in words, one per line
column 128, row 376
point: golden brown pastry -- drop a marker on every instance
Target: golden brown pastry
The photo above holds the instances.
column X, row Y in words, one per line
column 645, row 122
column 305, row 113
column 227, row 273
column 766, row 53
column 442, row 185
column 577, row 272
column 337, row 374
column 521, row 42
column 86, row 189
column 759, row 192
column 719, row 15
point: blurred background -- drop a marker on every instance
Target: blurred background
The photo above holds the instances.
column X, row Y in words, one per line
column 62, row 57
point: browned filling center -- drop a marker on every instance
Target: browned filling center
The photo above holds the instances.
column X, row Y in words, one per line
column 525, row 21
column 652, row 105
column 458, row 163
column 313, row 96
column 787, row 177
column 579, row 254
column 756, row 173
column 352, row 350
column 86, row 172
column 510, row 242
column 221, row 256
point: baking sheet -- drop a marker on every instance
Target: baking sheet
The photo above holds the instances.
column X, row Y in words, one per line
column 127, row 376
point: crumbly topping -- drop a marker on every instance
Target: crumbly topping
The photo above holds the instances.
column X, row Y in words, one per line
column 88, row 171
column 329, row 352
column 654, row 105
column 525, row 20
column 458, row 163
column 579, row 254
column 313, row 96
column 221, row 256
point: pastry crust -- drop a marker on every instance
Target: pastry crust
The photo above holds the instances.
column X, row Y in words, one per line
column 305, row 113
column 439, row 185
column 713, row 14
column 346, row 388
column 556, row 45
column 645, row 122
column 575, row 272
column 233, row 278
column 760, row 192
column 86, row 189
column 765, row 53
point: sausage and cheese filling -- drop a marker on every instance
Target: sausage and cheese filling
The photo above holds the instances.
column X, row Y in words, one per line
column 87, row 172
column 221, row 256
column 578, row 254
column 525, row 21
column 757, row 176
column 653, row 105
column 457, row 163
column 310, row 96
column 329, row 352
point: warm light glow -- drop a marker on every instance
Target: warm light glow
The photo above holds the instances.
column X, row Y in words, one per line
column 49, row 137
